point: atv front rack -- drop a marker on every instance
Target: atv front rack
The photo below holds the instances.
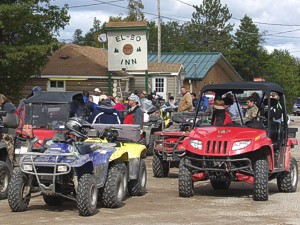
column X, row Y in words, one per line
column 33, row 161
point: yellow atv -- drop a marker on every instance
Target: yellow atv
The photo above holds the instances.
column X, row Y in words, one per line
column 124, row 138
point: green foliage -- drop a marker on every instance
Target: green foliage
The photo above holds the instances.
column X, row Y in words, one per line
column 135, row 12
column 27, row 38
column 210, row 29
column 247, row 51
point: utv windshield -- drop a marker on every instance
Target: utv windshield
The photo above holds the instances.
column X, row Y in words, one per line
column 41, row 114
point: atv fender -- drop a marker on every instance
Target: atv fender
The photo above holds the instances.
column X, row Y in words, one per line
column 120, row 154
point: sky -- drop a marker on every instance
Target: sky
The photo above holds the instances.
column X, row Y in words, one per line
column 279, row 19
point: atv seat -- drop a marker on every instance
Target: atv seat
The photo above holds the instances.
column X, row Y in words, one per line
column 84, row 149
column 126, row 132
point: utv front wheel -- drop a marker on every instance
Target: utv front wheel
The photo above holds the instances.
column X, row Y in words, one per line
column 261, row 179
column 220, row 185
column 5, row 177
column 137, row 187
column 18, row 192
column 53, row 200
column 87, row 195
column 160, row 168
column 113, row 192
column 287, row 181
column 185, row 182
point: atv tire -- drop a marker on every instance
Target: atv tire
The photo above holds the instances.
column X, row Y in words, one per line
column 288, row 181
column 137, row 187
column 5, row 176
column 18, row 192
column 53, row 200
column 113, row 193
column 220, row 185
column 185, row 182
column 261, row 179
column 87, row 195
column 160, row 168
column 150, row 147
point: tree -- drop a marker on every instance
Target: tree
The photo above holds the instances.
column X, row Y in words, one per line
column 28, row 31
column 91, row 37
column 209, row 29
column 135, row 12
column 78, row 39
column 247, row 52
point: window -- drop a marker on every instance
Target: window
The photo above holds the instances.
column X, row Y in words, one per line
column 159, row 84
column 56, row 85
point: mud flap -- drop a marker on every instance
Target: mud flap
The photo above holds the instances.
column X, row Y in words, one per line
column 134, row 168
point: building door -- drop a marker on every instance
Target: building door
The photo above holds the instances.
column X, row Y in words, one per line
column 160, row 85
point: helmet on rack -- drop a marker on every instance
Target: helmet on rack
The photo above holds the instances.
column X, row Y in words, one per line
column 75, row 125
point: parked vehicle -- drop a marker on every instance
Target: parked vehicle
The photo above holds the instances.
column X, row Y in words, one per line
column 44, row 114
column 7, row 120
column 254, row 151
column 154, row 124
column 78, row 169
column 168, row 148
column 296, row 107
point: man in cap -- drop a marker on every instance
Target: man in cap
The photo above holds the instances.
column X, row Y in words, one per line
column 220, row 115
column 96, row 96
column 135, row 114
column 186, row 102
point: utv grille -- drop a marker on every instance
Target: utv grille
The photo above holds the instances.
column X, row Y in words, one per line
column 216, row 147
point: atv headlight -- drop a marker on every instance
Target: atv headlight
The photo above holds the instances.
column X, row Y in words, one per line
column 62, row 169
column 240, row 144
column 196, row 144
column 27, row 167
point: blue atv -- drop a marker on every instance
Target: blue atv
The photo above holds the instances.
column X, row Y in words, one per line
column 89, row 173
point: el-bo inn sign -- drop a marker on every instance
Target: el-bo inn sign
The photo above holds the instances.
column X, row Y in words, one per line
column 127, row 50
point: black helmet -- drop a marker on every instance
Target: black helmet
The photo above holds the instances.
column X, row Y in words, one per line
column 36, row 89
column 75, row 125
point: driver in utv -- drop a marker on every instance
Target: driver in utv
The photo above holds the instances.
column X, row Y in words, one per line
column 220, row 115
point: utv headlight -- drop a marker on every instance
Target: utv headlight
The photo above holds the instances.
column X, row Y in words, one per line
column 240, row 144
column 62, row 169
column 196, row 144
column 27, row 167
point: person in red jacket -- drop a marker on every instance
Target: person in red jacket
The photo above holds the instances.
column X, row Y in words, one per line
column 220, row 114
column 135, row 115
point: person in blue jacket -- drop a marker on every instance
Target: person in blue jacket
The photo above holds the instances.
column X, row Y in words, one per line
column 105, row 113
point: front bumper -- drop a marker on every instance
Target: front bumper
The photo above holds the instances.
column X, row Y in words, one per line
column 213, row 164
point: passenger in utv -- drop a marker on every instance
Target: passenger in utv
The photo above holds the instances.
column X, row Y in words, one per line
column 220, row 115
column 251, row 109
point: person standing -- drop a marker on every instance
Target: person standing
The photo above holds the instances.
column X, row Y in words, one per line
column 135, row 115
column 105, row 113
column 185, row 103
column 8, row 133
column 96, row 96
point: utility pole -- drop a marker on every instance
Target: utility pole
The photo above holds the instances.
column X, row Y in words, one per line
column 158, row 32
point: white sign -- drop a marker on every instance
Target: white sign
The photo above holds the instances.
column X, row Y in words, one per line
column 127, row 50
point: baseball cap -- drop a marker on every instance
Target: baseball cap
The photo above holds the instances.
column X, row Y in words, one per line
column 133, row 97
column 102, row 97
column 97, row 90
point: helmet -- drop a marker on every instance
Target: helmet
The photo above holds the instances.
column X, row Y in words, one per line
column 36, row 89
column 75, row 125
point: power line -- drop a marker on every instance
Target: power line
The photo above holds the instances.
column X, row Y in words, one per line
column 100, row 3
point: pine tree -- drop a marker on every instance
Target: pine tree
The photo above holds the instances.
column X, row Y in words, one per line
column 209, row 29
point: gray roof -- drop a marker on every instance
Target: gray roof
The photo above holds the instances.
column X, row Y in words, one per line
column 196, row 64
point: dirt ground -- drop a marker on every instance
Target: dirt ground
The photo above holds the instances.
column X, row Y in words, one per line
column 161, row 205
